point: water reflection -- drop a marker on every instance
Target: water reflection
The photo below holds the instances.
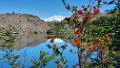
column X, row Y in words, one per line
column 29, row 53
column 23, row 57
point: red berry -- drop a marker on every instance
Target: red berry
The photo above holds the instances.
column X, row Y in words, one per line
column 85, row 9
column 80, row 12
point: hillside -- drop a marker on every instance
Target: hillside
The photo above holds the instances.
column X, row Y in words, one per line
column 26, row 29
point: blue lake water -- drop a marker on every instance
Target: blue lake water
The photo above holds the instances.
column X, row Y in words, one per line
column 28, row 53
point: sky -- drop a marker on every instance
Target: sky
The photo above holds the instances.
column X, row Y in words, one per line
column 42, row 8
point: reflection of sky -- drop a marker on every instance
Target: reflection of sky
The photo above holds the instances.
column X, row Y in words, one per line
column 93, row 57
column 29, row 52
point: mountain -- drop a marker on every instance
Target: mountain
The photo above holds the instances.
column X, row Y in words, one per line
column 27, row 29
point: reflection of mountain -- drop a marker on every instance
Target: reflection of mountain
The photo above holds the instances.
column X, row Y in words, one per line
column 28, row 27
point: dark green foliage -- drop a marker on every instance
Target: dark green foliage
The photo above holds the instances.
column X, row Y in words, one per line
column 110, row 25
column 43, row 60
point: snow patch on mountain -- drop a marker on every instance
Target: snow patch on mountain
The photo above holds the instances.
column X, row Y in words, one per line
column 55, row 18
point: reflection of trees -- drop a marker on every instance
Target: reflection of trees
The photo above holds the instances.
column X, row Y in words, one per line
column 43, row 60
column 45, row 57
column 11, row 58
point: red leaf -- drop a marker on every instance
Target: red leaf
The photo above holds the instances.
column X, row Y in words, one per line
column 106, row 35
column 77, row 32
column 77, row 42
column 80, row 12
column 49, row 37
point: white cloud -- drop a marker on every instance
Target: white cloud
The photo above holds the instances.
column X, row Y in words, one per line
column 55, row 18
column 57, row 40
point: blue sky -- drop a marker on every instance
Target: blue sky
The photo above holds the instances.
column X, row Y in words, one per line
column 41, row 8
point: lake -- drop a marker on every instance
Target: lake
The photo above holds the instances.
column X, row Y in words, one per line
column 27, row 54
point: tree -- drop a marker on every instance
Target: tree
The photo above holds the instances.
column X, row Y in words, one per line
column 84, row 38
